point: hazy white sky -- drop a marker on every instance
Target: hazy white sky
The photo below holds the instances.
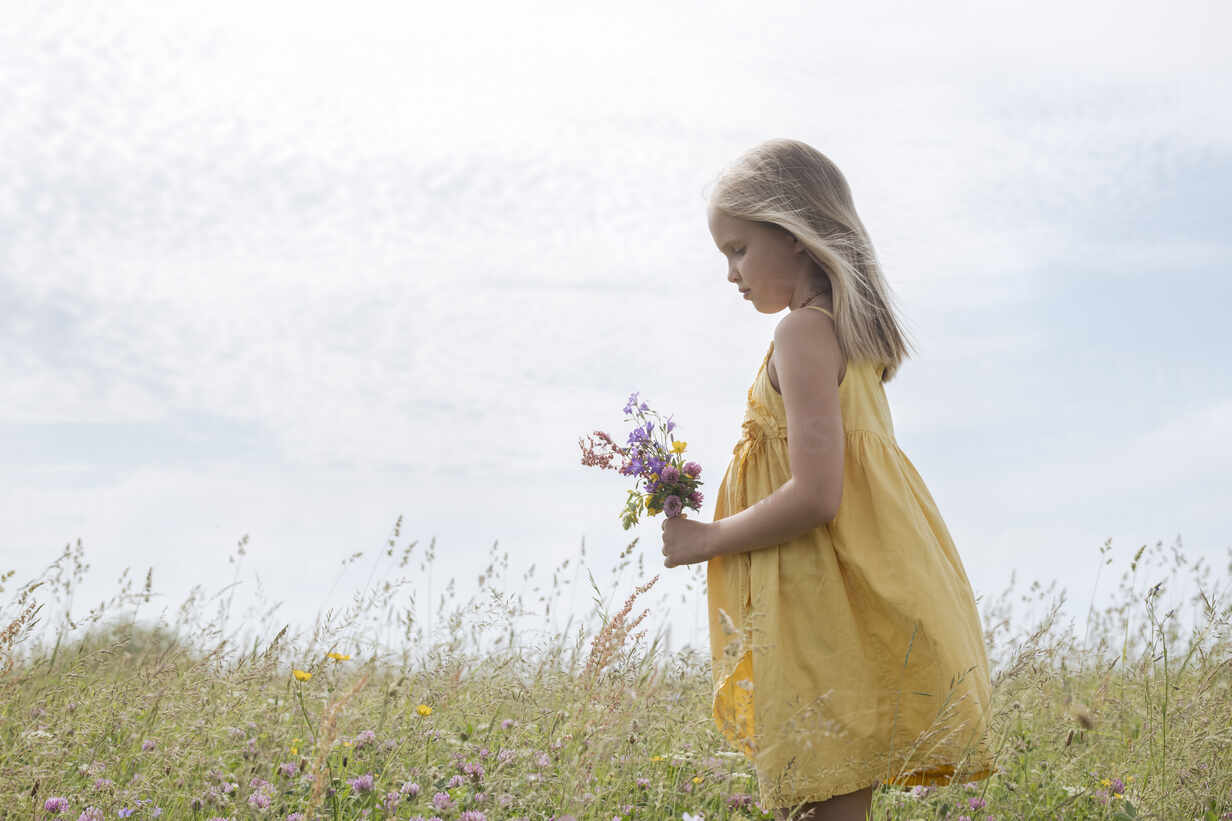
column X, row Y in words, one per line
column 291, row 270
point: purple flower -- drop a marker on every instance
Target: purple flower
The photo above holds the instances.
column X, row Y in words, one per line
column 670, row 473
column 506, row 724
column 672, row 505
column 390, row 804
column 147, row 745
column 362, row 783
column 91, row 814
column 442, row 801
column 692, row 469
column 296, row 816
column 696, row 498
column 1118, row 787
column 473, row 815
column 288, row 768
column 364, row 739
column 976, row 803
column 259, row 800
column 410, row 788
column 55, row 805
column 125, row 812
column 740, row 799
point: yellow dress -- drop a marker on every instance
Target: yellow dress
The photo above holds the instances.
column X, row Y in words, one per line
column 854, row 652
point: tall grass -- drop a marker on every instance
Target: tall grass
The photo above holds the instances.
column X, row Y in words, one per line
column 201, row 714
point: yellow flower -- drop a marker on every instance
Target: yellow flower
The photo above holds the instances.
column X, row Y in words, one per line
column 697, row 779
column 338, row 657
column 346, row 744
column 295, row 751
column 679, row 446
column 1105, row 782
column 424, row 710
column 301, row 675
column 656, row 758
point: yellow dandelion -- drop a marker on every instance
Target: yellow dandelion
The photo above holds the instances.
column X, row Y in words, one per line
column 678, row 446
column 346, row 744
column 424, row 710
column 338, row 656
column 301, row 675
column 1105, row 782
column 697, row 779
column 295, row 751
column 656, row 758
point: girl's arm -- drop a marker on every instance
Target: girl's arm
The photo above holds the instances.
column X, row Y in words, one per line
column 786, row 513
column 809, row 363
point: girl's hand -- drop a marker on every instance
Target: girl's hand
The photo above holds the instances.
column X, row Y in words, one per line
column 686, row 541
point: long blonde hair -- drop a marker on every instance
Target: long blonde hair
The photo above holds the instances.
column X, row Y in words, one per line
column 790, row 184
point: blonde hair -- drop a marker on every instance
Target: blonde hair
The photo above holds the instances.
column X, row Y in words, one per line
column 794, row 186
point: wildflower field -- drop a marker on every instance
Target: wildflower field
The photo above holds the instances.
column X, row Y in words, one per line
column 118, row 713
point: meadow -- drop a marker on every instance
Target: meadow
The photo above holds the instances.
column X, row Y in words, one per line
column 200, row 714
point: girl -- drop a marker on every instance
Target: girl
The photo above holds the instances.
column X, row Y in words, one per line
column 846, row 647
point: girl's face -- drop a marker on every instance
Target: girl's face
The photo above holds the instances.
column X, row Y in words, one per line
column 764, row 260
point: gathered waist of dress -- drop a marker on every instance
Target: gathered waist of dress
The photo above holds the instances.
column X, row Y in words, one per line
column 758, row 426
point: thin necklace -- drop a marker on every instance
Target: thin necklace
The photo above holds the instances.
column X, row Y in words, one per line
column 810, row 299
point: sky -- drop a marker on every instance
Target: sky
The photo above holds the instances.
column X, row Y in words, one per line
column 286, row 272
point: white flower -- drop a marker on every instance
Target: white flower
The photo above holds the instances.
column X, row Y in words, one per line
column 684, row 816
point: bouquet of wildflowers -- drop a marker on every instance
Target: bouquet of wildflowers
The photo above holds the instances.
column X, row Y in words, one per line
column 665, row 482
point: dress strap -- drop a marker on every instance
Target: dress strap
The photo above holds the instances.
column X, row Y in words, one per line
column 823, row 310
